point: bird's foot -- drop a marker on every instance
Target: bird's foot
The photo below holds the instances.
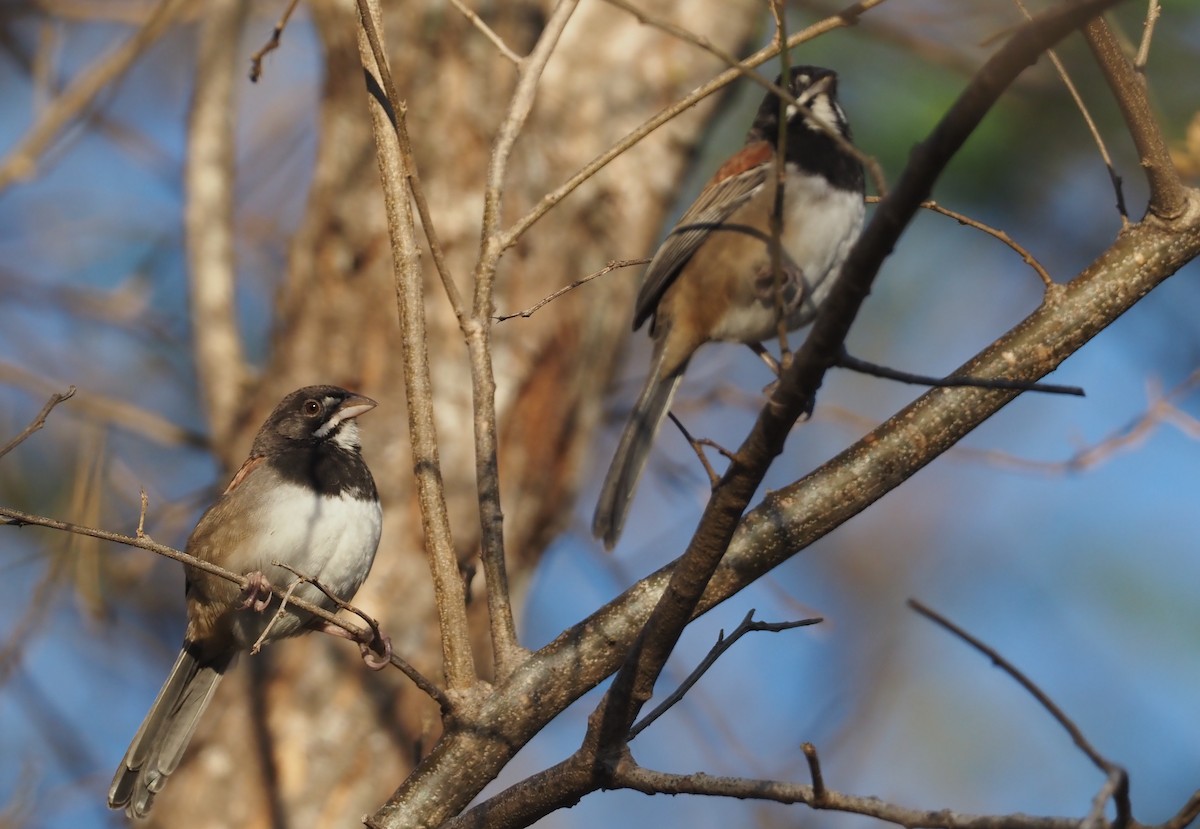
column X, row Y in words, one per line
column 256, row 595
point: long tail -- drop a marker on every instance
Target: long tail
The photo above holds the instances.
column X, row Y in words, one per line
column 630, row 459
column 159, row 743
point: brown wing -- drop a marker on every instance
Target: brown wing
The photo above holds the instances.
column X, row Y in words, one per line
column 734, row 184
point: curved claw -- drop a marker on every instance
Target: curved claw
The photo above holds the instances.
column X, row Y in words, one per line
column 256, row 595
column 376, row 661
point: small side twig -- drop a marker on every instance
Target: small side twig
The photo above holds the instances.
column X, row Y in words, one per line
column 487, row 32
column 994, row 232
column 272, row 43
column 38, row 422
column 1143, row 52
column 698, row 445
column 1118, row 783
column 723, row 643
column 279, row 611
column 537, row 306
column 1113, row 175
column 953, row 381
column 814, row 770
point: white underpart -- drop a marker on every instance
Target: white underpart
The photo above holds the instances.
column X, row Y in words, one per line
column 330, row 539
column 824, row 222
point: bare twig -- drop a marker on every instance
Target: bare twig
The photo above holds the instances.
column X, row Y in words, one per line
column 397, row 116
column 1161, row 409
column 848, row 361
column 272, row 43
column 21, row 162
column 110, row 410
column 697, row 445
column 629, row 775
column 209, row 218
column 1113, row 175
column 505, row 645
column 723, row 643
column 1119, row 788
column 38, row 422
column 141, row 527
column 537, row 306
column 279, row 611
column 457, row 661
column 17, row 518
column 996, row 233
column 1143, row 52
column 487, row 32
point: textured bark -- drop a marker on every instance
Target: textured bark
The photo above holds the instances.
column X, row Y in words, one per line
column 305, row 736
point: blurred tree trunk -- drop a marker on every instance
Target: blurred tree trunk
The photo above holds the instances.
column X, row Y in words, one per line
column 331, row 740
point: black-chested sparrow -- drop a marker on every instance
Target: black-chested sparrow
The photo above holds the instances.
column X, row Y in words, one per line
column 304, row 497
column 712, row 279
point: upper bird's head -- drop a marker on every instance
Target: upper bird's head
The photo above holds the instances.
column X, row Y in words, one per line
column 314, row 414
column 815, row 89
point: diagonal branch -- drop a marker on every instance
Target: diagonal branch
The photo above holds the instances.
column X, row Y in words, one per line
column 458, row 663
column 38, row 422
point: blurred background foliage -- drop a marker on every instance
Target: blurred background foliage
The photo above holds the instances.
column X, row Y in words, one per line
column 1085, row 576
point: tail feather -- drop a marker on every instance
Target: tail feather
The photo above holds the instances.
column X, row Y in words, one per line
column 633, row 450
column 159, row 743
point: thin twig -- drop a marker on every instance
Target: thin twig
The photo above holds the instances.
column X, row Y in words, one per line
column 272, row 43
column 1143, row 52
column 780, row 173
column 723, row 643
column 279, row 611
column 506, row 647
column 38, row 422
column 1120, row 793
column 397, row 111
column 1113, row 175
column 852, row 363
column 487, row 32
column 537, row 306
column 697, row 444
column 17, row 518
column 145, row 505
column 995, row 233
column 113, row 411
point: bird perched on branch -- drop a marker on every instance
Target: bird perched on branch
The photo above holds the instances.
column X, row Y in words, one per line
column 713, row 278
column 305, row 498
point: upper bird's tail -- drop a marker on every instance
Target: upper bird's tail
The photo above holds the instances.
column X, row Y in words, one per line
column 164, row 734
column 627, row 465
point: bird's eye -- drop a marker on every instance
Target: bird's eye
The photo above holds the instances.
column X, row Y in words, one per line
column 312, row 407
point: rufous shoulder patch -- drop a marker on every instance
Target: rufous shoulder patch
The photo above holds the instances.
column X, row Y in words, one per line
column 749, row 156
column 246, row 468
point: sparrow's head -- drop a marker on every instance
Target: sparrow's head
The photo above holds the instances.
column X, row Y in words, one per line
column 315, row 414
column 816, row 90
